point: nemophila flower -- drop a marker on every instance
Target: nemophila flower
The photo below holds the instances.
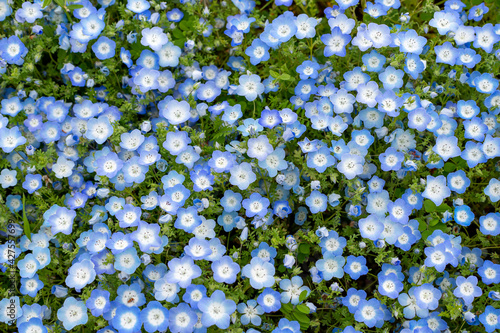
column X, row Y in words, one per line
column 392, row 78
column 11, row 138
column 259, row 147
column 217, row 310
column 369, row 312
column 473, row 154
column 127, row 261
column 475, row 129
column 251, row 312
column 154, row 317
column 320, row 160
column 12, row 50
column 350, row 165
column 256, row 205
column 182, row 319
column 8, row 178
column 168, row 55
column 231, row 201
column 165, row 290
column 367, row 93
column 342, row 101
column 370, row 227
column 491, row 147
column 331, row 266
column 445, row 21
column 467, row 289
column 250, row 87
column 374, row 61
column 80, row 274
column 127, row 319
column 458, row 181
column 317, row 202
column 154, row 37
column 292, row 290
column 28, row 266
column 436, row 189
column 129, row 216
column 489, row 272
column 335, row 43
column 391, row 159
column 306, row 26
column 486, row 83
column 446, row 53
column 438, row 257
column 379, row 34
column 260, row 273
column 99, row 302
column 146, row 79
column 104, row 48
column 426, row 296
column 225, row 270
column 411, row 42
column 274, row 162
column 414, row 65
column 182, row 271
column 258, row 52
column 490, row 318
column 485, row 37
column 493, row 190
column 187, row 219
column 138, row 6
column 356, row 267
column 463, row 215
column 99, row 129
column 389, row 285
column 242, row 176
column 73, row 313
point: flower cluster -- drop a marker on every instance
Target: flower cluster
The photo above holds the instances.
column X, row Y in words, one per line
column 194, row 166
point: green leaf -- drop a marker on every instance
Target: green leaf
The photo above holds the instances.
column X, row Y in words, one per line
column 303, row 296
column 72, row 7
column 429, row 206
column 443, row 208
column 26, row 223
column 274, row 74
column 46, row 3
column 449, row 167
column 286, row 77
column 304, row 248
column 303, row 308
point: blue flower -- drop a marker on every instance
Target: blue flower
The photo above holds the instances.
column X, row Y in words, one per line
column 73, row 313
column 182, row 319
column 154, row 317
column 490, row 318
column 98, row 302
column 331, row 266
column 369, row 312
column 335, row 43
column 467, row 289
column 104, row 48
column 260, row 273
column 217, row 310
column 356, row 267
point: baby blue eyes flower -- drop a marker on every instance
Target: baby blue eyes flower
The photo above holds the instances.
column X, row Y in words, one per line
column 493, row 190
column 260, row 273
column 350, row 165
column 258, row 52
column 216, row 310
column 104, row 48
column 335, row 43
column 250, row 87
column 467, row 289
column 242, row 176
column 369, row 312
column 127, row 261
column 391, row 159
column 436, row 189
column 73, row 313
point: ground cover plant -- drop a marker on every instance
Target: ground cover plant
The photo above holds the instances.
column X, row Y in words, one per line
column 249, row 166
